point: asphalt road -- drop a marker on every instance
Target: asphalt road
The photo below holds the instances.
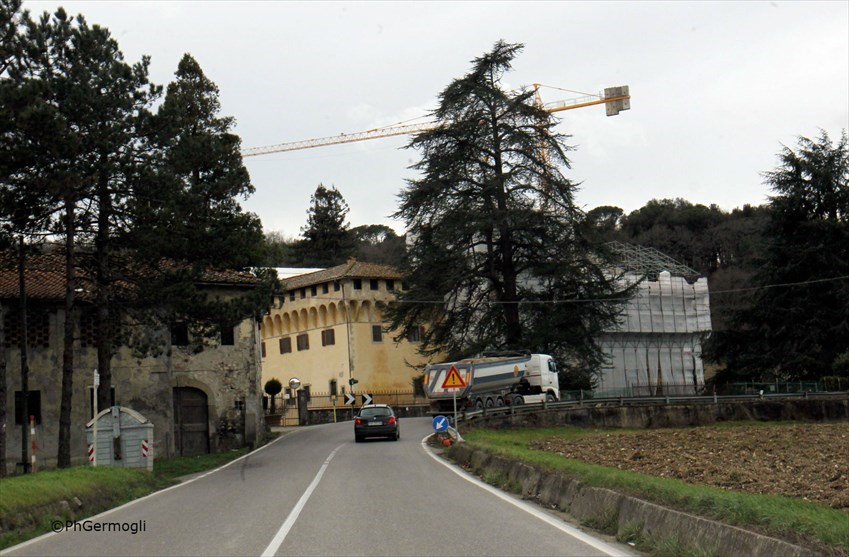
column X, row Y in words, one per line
column 317, row 492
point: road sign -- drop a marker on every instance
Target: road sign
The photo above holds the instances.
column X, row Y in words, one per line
column 440, row 424
column 453, row 380
column 366, row 399
column 350, row 399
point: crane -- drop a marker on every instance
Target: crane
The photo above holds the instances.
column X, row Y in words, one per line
column 615, row 99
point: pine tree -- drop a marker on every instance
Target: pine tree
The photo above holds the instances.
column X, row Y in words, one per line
column 795, row 322
column 326, row 239
column 498, row 258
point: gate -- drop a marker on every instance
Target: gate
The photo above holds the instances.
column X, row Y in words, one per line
column 191, row 421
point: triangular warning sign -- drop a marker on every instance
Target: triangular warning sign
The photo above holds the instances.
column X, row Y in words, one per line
column 453, row 380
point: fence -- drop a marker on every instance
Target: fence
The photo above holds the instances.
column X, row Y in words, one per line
column 286, row 410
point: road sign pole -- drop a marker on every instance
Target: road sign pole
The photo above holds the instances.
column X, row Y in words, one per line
column 455, row 408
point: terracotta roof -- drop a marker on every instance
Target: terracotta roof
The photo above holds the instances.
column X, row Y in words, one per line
column 45, row 278
column 351, row 269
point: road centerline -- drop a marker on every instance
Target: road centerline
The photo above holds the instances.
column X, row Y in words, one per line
column 278, row 539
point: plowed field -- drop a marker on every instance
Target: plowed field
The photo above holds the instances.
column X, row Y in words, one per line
column 808, row 461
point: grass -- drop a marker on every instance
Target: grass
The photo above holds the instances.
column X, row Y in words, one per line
column 776, row 515
column 29, row 503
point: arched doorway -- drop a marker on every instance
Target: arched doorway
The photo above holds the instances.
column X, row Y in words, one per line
column 191, row 421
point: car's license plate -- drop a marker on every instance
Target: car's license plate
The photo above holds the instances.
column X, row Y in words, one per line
column 375, row 423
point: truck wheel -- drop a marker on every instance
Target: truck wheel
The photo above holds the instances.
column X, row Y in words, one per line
column 478, row 404
column 499, row 402
column 489, row 403
column 518, row 401
column 550, row 398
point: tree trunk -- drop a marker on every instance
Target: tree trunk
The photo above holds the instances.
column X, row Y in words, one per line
column 3, row 412
column 104, row 328
column 64, row 454
column 24, row 362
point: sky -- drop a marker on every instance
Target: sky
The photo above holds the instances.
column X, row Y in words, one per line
column 717, row 88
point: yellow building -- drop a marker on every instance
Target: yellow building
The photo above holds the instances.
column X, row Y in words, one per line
column 326, row 329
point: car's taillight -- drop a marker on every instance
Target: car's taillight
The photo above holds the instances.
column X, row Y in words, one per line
column 358, row 421
column 391, row 420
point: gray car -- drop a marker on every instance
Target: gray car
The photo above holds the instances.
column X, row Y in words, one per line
column 376, row 420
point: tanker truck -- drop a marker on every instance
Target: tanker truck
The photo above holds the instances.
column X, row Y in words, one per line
column 492, row 380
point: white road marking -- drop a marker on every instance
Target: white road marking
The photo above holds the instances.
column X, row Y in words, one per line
column 559, row 524
column 148, row 496
column 296, row 510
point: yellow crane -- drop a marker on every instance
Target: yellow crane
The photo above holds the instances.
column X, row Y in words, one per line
column 615, row 99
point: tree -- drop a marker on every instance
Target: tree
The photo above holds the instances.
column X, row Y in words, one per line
column 326, row 238
column 272, row 389
column 377, row 243
column 796, row 319
column 677, row 228
column 498, row 257
column 186, row 211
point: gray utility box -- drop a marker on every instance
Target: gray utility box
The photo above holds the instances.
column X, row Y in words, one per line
column 124, row 438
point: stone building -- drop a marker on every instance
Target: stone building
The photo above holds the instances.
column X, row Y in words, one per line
column 327, row 329
column 202, row 395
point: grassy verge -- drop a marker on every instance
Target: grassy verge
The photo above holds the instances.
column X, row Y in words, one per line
column 775, row 515
column 29, row 503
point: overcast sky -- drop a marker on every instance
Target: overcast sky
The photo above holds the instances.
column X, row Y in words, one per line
column 717, row 87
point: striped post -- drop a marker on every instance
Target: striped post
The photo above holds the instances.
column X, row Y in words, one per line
column 145, row 448
column 33, row 444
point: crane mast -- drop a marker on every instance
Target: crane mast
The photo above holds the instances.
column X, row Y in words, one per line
column 615, row 100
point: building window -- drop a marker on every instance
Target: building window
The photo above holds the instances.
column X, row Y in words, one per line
column 262, row 348
column 377, row 333
column 33, row 407
column 415, row 334
column 337, row 286
column 404, row 285
column 358, row 284
column 307, row 395
column 292, row 296
column 285, row 345
column 314, row 290
column 374, row 284
column 390, row 285
column 334, row 387
column 325, row 288
column 328, row 337
column 303, row 293
column 304, row 342
column 228, row 334
column 180, row 333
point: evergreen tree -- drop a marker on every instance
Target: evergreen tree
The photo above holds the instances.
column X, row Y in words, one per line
column 326, row 239
column 187, row 212
column 499, row 258
column 796, row 319
column 377, row 243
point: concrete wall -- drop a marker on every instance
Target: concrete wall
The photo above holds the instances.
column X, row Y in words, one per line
column 679, row 415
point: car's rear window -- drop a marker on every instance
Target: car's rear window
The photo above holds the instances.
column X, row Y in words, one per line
column 375, row 412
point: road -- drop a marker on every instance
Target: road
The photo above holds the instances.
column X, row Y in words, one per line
column 316, row 492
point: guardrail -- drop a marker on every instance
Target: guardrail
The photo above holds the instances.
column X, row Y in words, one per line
column 469, row 415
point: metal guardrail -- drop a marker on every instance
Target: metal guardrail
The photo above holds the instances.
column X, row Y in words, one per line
column 469, row 415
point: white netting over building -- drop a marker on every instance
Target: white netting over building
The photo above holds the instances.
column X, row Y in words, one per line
column 657, row 347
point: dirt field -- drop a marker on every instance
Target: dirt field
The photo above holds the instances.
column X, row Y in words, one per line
column 809, row 461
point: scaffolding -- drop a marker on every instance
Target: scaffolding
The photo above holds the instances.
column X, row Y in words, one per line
column 657, row 342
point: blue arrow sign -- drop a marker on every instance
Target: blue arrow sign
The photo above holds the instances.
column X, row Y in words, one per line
column 440, row 424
